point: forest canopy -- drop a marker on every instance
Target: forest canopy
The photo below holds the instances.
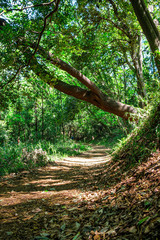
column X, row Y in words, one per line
column 105, row 53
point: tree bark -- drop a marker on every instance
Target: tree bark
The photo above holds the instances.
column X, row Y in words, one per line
column 36, row 118
column 134, row 41
column 137, row 58
column 68, row 68
column 91, row 95
column 42, row 118
column 104, row 102
column 149, row 28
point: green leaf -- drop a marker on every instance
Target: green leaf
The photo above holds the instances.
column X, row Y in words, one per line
column 63, row 227
column 9, row 233
column 77, row 225
column 44, row 234
column 52, row 189
column 143, row 220
column 76, row 237
column 147, row 203
column 42, row 238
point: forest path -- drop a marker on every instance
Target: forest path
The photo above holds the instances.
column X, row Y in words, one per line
column 95, row 156
column 40, row 204
column 66, row 201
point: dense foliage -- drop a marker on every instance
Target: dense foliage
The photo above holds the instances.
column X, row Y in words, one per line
column 94, row 51
column 74, row 72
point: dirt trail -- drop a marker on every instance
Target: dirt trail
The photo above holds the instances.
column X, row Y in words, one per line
column 84, row 197
column 46, row 192
column 96, row 156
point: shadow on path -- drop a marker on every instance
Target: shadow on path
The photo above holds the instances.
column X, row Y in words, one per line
column 41, row 192
column 78, row 197
column 96, row 156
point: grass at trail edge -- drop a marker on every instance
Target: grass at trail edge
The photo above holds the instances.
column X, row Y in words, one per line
column 142, row 141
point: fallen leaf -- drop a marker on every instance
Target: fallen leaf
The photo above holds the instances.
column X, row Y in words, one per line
column 132, row 229
column 76, row 237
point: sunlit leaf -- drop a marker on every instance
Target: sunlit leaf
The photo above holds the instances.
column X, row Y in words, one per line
column 76, row 236
column 143, row 220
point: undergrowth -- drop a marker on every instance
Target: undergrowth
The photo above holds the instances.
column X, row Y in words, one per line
column 110, row 140
column 17, row 157
column 142, row 141
column 134, row 149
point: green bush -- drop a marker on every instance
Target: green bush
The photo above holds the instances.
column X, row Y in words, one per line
column 14, row 157
column 9, row 159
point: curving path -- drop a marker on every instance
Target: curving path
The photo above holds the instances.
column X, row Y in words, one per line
column 73, row 199
column 51, row 202
column 97, row 155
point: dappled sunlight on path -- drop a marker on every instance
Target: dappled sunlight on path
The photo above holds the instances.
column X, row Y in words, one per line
column 42, row 192
column 96, row 156
column 77, row 198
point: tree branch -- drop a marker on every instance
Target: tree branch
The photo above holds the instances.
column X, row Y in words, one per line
column 15, row 75
column 124, row 27
column 103, row 102
column 32, row 6
column 44, row 27
column 69, row 69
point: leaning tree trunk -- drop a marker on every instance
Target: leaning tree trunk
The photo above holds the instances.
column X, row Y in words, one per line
column 91, row 95
column 149, row 28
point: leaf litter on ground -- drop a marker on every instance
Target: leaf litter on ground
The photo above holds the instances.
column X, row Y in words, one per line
column 70, row 202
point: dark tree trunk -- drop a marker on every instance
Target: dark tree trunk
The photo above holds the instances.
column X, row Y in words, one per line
column 36, row 119
column 137, row 59
column 42, row 118
column 149, row 28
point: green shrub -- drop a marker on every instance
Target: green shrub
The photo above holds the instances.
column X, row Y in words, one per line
column 14, row 157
